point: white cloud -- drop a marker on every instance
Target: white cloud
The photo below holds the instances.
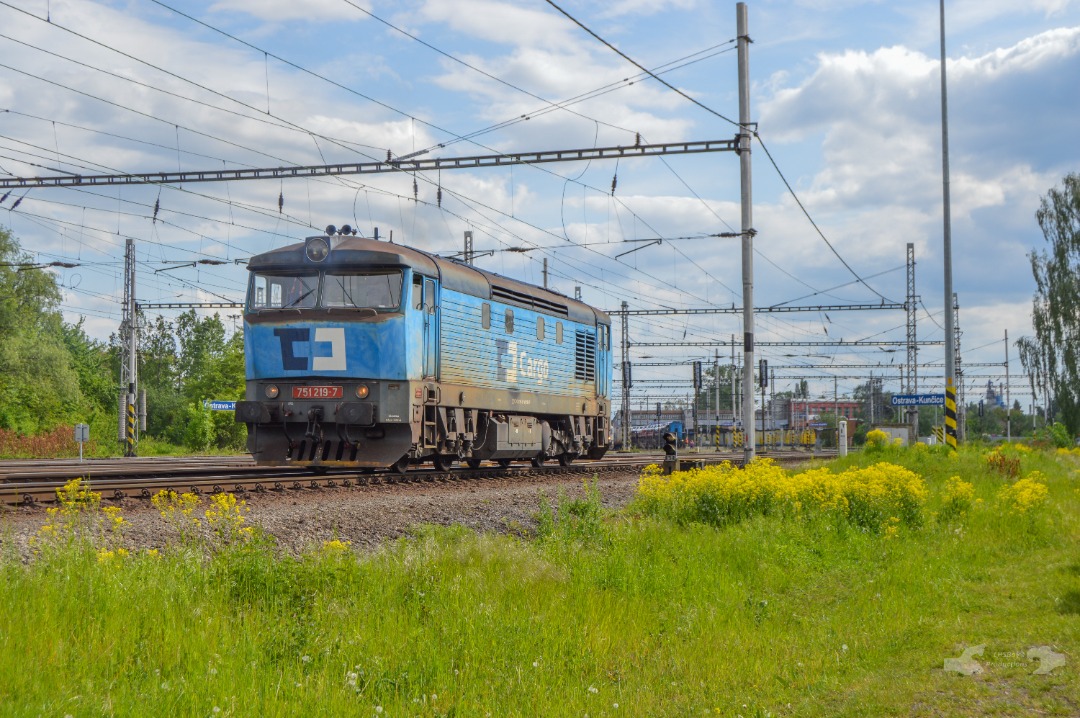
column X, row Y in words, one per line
column 879, row 114
column 620, row 8
column 313, row 11
column 978, row 12
column 501, row 22
column 1027, row 56
column 854, row 126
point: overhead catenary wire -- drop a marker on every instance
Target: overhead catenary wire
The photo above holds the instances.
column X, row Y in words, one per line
column 552, row 249
column 226, row 140
column 753, row 131
column 266, row 54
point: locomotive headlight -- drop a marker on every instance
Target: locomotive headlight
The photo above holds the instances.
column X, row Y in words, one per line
column 271, row 391
column 317, row 249
column 362, row 391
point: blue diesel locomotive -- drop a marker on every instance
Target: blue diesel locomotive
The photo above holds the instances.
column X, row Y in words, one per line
column 361, row 353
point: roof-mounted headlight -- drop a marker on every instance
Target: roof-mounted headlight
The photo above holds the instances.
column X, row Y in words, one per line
column 316, row 249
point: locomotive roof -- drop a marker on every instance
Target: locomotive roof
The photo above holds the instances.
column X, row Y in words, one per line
column 360, row 252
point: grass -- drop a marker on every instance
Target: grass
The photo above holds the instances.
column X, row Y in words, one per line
column 640, row 612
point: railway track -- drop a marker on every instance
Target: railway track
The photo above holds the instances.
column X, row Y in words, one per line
column 35, row 482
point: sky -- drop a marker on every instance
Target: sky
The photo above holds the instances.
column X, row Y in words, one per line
column 845, row 94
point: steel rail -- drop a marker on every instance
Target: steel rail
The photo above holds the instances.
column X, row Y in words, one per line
column 261, row 480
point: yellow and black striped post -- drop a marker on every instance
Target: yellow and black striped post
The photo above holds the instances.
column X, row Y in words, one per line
column 950, row 413
column 130, row 438
column 716, row 437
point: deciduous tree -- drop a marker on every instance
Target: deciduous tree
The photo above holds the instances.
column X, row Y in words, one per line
column 1052, row 358
column 39, row 389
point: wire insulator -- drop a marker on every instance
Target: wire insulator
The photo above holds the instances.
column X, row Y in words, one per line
column 614, row 181
column 18, row 201
column 281, row 201
column 438, row 197
column 637, row 139
column 6, row 195
column 388, row 155
column 415, row 190
column 157, row 206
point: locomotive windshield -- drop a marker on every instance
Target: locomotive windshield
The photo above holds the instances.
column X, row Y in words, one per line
column 279, row 291
column 362, row 291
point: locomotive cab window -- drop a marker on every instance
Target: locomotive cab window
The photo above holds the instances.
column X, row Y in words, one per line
column 540, row 328
column 509, row 321
column 485, row 316
column 558, row 332
column 423, row 294
column 375, row 290
column 277, row 291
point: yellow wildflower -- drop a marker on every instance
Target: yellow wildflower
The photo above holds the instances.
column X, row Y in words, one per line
column 1028, row 494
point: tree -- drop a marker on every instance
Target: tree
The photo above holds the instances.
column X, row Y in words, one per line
column 876, row 403
column 211, row 366
column 707, row 393
column 92, row 363
column 1052, row 358
column 159, row 377
column 39, row 389
column 184, row 364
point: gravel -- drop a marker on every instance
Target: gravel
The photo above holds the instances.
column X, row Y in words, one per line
column 365, row 515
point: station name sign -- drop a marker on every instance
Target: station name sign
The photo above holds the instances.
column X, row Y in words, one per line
column 218, row 405
column 918, row 400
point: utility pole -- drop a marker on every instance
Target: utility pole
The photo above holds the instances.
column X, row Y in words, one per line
column 627, row 380
column 129, row 334
column 961, row 404
column 763, row 380
column 772, row 399
column 871, row 422
column 716, row 427
column 697, row 388
column 1008, row 404
column 912, row 385
column 950, row 351
column 468, row 255
column 743, row 35
column 734, row 394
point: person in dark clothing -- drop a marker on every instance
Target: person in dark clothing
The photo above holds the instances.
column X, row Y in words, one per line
column 670, row 453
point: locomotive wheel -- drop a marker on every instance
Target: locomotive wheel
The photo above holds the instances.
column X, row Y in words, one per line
column 443, row 462
column 472, row 463
column 538, row 460
column 504, row 463
column 401, row 465
column 566, row 459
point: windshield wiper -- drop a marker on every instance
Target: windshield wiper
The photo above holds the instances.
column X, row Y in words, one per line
column 299, row 299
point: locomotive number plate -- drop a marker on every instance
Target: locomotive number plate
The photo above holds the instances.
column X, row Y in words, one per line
column 317, row 392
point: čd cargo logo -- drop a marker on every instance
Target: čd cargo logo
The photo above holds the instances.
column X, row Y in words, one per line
column 292, row 339
column 512, row 364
